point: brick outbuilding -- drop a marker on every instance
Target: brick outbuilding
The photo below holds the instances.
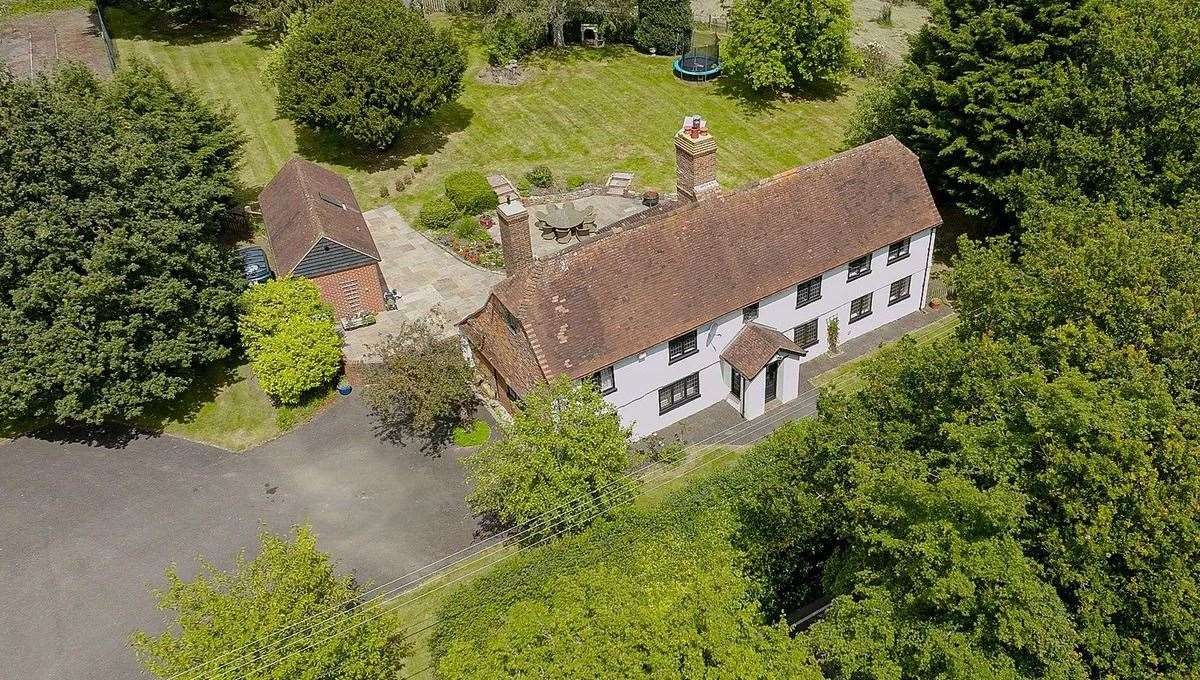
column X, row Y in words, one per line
column 317, row 230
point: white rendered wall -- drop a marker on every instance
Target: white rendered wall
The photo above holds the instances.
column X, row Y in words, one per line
column 639, row 377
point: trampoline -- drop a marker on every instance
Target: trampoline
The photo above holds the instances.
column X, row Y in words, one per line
column 702, row 61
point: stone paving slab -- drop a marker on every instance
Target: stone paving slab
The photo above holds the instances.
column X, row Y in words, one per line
column 423, row 275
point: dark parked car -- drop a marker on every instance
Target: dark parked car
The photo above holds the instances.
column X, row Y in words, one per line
column 254, row 265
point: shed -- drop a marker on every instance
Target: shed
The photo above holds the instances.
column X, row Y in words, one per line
column 317, row 230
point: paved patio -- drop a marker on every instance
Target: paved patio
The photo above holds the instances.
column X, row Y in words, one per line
column 608, row 209
column 423, row 274
column 721, row 424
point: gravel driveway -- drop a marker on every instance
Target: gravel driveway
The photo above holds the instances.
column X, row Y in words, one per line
column 86, row 528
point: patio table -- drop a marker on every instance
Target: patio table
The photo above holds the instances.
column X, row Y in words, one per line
column 564, row 220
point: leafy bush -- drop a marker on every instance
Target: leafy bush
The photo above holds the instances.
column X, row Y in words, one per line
column 781, row 45
column 468, row 228
column 540, row 176
column 470, row 191
column 419, row 382
column 438, row 214
column 286, row 586
column 576, row 181
column 367, row 69
column 665, row 25
column 574, row 440
column 510, row 38
column 290, row 338
column 420, row 162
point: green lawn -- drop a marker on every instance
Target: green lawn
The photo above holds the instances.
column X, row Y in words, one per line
column 848, row 377
column 16, row 8
column 228, row 409
column 582, row 112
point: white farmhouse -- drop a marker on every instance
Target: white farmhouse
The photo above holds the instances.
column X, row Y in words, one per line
column 719, row 296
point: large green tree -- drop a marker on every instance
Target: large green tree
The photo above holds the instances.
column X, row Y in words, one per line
column 420, row 383
column 367, row 69
column 1012, row 101
column 565, row 445
column 1083, row 268
column 1087, row 433
column 114, row 288
column 963, row 100
column 1124, row 127
column 785, row 45
column 273, row 618
column 673, row 607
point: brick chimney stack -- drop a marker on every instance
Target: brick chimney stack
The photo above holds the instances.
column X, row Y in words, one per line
column 695, row 160
column 514, row 236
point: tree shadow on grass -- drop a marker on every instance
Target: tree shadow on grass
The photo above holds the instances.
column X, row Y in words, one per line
column 204, row 390
column 578, row 54
column 755, row 101
column 133, row 23
column 427, row 137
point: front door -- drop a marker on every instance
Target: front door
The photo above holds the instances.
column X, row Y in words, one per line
column 772, row 380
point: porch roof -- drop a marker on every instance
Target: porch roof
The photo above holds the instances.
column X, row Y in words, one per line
column 754, row 347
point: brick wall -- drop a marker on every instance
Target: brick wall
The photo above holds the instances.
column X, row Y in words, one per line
column 353, row 290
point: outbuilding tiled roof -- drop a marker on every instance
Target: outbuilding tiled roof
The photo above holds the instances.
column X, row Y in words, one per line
column 305, row 202
column 642, row 283
column 754, row 346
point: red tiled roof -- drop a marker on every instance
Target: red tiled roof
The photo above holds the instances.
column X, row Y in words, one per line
column 302, row 203
column 754, row 346
column 640, row 284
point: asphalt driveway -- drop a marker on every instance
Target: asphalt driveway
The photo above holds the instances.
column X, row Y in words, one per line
column 86, row 528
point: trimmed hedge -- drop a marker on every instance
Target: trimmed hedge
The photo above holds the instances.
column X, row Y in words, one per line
column 438, row 214
column 470, row 191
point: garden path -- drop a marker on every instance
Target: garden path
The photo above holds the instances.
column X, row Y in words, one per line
column 423, row 274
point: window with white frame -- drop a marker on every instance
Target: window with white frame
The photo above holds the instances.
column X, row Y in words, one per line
column 900, row 290
column 860, row 308
column 805, row 334
column 682, row 347
column 604, row 381
column 678, row 393
column 898, row 250
column 858, row 268
column 808, row 292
